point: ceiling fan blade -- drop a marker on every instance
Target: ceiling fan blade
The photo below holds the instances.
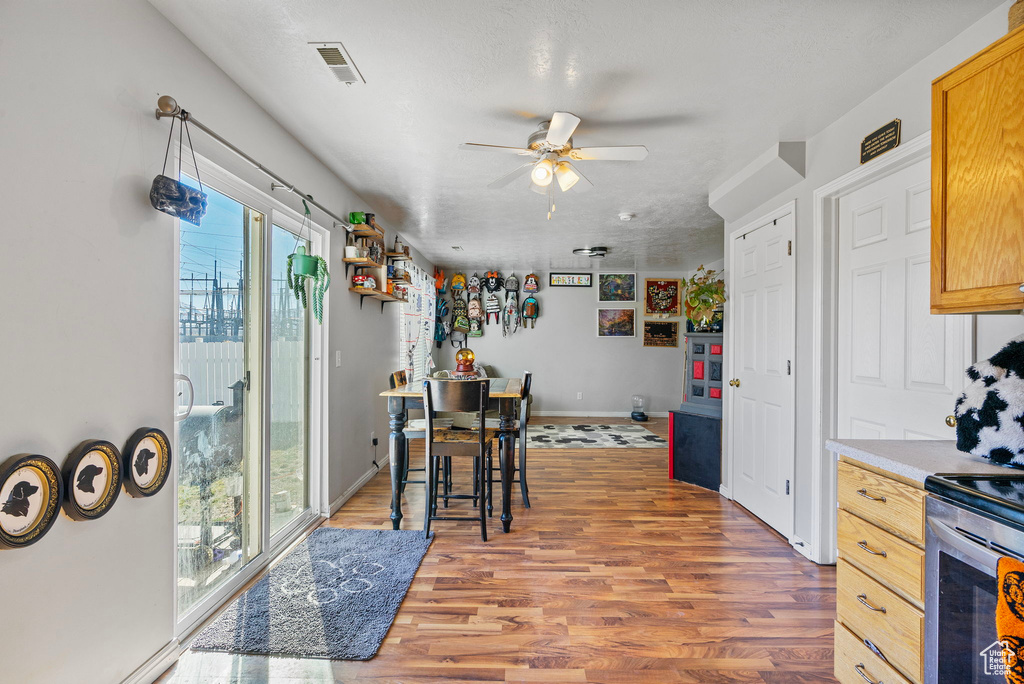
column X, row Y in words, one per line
column 561, row 128
column 584, row 184
column 509, row 177
column 496, row 148
column 621, row 153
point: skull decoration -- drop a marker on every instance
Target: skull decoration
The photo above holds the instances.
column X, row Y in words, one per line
column 493, row 281
column 177, row 199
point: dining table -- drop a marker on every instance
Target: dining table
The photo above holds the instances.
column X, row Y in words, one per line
column 503, row 395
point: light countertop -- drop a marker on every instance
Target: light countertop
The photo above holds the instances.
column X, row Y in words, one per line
column 914, row 459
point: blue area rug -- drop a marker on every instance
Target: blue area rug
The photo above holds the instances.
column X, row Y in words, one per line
column 334, row 596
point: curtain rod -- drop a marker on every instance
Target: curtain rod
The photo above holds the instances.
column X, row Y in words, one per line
column 167, row 106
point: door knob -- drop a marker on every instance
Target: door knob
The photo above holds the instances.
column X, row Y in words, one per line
column 734, row 382
column 951, row 421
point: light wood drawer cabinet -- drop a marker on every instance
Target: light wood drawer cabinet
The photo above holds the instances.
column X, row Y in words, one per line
column 895, row 563
column 977, row 227
column 855, row 661
column 875, row 613
column 891, row 505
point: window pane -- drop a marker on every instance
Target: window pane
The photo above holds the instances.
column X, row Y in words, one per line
column 289, row 372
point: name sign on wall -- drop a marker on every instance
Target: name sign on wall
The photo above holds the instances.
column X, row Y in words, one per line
column 570, row 280
column 881, row 141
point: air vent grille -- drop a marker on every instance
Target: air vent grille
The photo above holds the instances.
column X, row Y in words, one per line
column 339, row 62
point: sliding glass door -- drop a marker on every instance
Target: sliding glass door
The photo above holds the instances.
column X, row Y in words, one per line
column 246, row 395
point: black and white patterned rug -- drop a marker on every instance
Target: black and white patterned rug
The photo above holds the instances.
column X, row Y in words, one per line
column 592, row 436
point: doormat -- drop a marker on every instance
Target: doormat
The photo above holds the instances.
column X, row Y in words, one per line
column 592, row 436
column 334, row 596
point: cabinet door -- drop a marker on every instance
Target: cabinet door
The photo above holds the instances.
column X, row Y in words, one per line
column 978, row 182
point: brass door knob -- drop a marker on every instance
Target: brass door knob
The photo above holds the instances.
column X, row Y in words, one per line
column 734, row 382
column 951, row 421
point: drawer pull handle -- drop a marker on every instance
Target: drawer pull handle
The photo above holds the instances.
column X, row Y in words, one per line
column 860, row 670
column 864, row 545
column 864, row 493
column 863, row 598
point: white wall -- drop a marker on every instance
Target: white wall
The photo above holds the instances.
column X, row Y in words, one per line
column 835, row 152
column 566, row 356
column 86, row 346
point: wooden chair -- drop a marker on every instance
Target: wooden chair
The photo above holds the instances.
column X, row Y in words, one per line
column 520, row 436
column 442, row 443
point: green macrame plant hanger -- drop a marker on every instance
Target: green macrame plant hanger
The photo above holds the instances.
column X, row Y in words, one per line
column 303, row 267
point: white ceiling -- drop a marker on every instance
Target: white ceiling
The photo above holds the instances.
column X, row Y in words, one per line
column 705, row 84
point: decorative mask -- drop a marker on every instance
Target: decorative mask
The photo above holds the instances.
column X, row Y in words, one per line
column 439, row 281
column 532, row 283
column 459, row 281
column 476, row 311
column 492, row 281
column 474, row 284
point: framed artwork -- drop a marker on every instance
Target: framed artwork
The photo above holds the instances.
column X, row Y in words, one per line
column 147, row 462
column 616, row 287
column 665, row 334
column 570, row 279
column 31, row 490
column 92, row 480
column 616, row 322
column 663, row 297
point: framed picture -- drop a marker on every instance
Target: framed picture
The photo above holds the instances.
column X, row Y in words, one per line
column 147, row 462
column 616, row 322
column 570, row 279
column 92, row 480
column 664, row 334
column 663, row 297
column 31, row 490
column 616, row 287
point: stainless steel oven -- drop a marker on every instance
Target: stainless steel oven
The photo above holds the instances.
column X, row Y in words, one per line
column 962, row 548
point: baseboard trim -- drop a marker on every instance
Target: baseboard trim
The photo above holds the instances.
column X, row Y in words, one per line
column 348, row 493
column 591, row 414
column 724, row 491
column 156, row 665
column 808, row 552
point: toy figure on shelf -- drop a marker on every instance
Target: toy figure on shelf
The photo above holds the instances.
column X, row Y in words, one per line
column 492, row 306
column 474, row 284
column 492, row 281
column 476, row 327
column 512, row 283
column 510, row 319
column 458, row 282
column 440, row 282
column 531, row 284
column 531, row 309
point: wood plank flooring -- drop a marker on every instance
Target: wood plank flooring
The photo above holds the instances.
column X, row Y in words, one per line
column 616, row 574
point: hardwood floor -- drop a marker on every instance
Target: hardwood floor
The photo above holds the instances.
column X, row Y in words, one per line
column 617, row 574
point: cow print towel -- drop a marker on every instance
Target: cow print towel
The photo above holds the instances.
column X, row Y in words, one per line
column 990, row 412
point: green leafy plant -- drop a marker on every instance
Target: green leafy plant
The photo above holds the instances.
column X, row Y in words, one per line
column 705, row 292
column 320, row 281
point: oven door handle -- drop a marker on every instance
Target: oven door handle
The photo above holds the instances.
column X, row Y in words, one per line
column 981, row 554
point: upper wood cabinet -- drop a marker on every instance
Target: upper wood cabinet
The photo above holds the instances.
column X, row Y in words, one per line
column 978, row 182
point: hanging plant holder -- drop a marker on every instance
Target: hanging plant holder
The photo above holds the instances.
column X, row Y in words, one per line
column 303, row 267
column 170, row 195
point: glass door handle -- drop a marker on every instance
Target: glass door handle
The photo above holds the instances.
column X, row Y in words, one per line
column 182, row 415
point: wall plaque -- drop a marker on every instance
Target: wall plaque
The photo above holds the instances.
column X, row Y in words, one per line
column 881, row 141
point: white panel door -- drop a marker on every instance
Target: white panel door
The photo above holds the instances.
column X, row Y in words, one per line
column 762, row 426
column 899, row 366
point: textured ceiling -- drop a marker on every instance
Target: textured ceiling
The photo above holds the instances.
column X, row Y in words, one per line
column 705, row 84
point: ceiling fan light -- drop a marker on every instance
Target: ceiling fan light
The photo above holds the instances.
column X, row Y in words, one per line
column 566, row 176
column 542, row 172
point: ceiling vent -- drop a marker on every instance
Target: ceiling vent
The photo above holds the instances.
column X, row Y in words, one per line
column 337, row 59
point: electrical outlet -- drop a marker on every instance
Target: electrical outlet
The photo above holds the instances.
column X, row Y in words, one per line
column 337, row 359
column 373, row 438
column 579, row 395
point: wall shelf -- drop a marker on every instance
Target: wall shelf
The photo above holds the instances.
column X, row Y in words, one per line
column 398, row 256
column 384, row 297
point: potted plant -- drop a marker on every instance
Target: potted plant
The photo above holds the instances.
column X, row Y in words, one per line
column 705, row 292
column 303, row 267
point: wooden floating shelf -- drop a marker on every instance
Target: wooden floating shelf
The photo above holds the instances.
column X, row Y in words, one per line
column 362, row 261
column 376, row 294
column 364, row 231
column 398, row 256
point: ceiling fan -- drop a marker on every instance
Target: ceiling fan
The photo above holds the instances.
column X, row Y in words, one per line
column 551, row 152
